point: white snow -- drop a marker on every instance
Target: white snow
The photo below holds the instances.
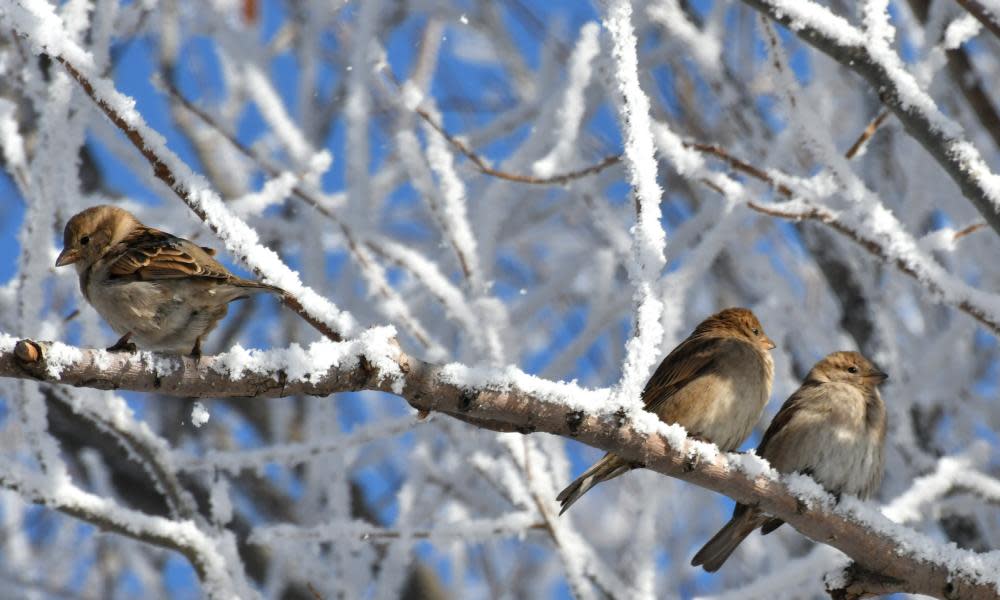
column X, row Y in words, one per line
column 648, row 238
column 571, row 112
column 303, row 364
column 199, row 414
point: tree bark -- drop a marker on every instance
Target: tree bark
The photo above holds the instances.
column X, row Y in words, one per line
column 903, row 558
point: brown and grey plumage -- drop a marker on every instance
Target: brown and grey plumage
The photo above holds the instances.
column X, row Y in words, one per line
column 715, row 384
column 155, row 289
column 832, row 428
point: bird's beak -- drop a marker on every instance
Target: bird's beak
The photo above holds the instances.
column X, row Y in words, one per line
column 879, row 376
column 770, row 345
column 67, row 257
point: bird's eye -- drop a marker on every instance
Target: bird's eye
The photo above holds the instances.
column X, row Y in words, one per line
column 85, row 240
column 755, row 331
column 852, row 369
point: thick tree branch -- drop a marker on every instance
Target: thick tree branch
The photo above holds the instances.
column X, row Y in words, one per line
column 939, row 135
column 873, row 542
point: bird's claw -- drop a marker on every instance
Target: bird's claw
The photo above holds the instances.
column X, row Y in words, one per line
column 196, row 351
column 123, row 345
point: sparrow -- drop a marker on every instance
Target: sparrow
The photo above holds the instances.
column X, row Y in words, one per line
column 832, row 429
column 715, row 384
column 157, row 291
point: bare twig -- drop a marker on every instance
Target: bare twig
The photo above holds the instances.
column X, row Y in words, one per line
column 866, row 134
column 961, row 233
column 738, row 165
column 483, row 167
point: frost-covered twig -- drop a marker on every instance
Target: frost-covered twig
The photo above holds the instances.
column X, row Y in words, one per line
column 321, row 314
column 235, row 461
column 31, row 20
column 975, row 303
column 866, row 135
column 511, row 525
column 530, row 404
column 942, row 137
column 483, row 166
column 395, row 309
column 182, row 536
column 648, row 238
column 983, row 15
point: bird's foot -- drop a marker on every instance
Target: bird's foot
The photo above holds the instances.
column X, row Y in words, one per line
column 196, row 351
column 123, row 345
column 691, row 462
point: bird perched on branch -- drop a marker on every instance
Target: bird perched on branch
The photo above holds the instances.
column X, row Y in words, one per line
column 715, row 384
column 832, row 428
column 156, row 290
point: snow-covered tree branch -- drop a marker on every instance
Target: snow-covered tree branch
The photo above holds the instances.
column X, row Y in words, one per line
column 488, row 222
column 889, row 558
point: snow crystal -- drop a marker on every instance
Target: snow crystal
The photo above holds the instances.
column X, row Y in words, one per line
column 754, row 466
column 273, row 192
column 7, row 342
column 199, row 414
column 222, row 506
column 510, row 378
column 377, row 345
column 11, row 142
column 806, row 489
column 960, row 31
column 59, row 357
column 412, row 96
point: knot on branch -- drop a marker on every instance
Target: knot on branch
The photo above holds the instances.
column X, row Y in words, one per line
column 466, row 399
column 367, row 373
column 856, row 582
column 27, row 351
column 573, row 421
column 621, row 417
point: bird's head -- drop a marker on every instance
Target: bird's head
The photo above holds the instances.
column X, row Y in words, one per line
column 738, row 322
column 847, row 367
column 90, row 233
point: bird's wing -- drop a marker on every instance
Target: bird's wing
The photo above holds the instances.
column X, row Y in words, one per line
column 691, row 359
column 151, row 254
column 796, row 405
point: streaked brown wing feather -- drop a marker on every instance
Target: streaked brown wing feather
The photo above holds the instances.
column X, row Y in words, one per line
column 785, row 414
column 150, row 254
column 689, row 360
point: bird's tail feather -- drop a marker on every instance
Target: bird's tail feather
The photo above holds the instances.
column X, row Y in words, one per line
column 607, row 468
column 715, row 552
column 252, row 286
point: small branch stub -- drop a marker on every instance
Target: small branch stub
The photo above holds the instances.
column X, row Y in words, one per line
column 27, row 351
column 855, row 582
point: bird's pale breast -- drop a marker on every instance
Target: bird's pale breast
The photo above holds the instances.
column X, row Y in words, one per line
column 723, row 405
column 166, row 315
column 831, row 439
